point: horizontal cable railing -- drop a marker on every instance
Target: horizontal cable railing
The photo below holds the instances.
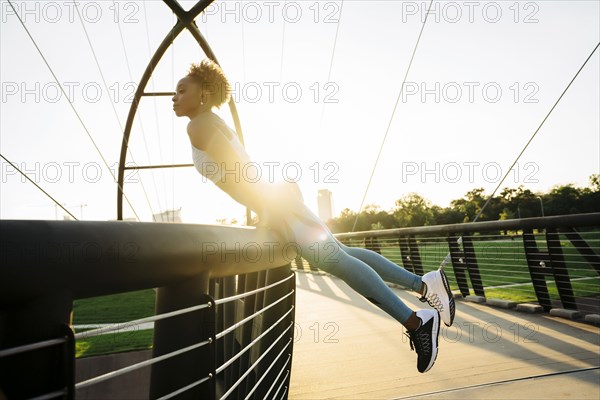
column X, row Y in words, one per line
column 31, row 347
column 33, row 350
column 222, row 323
column 221, row 327
column 128, row 324
column 134, row 367
column 553, row 261
column 252, row 327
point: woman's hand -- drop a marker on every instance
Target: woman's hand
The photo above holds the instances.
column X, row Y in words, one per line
column 279, row 202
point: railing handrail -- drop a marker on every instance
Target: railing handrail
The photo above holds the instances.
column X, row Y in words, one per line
column 94, row 258
column 579, row 220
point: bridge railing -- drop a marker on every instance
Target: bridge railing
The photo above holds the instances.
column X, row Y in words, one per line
column 552, row 261
column 224, row 308
column 225, row 301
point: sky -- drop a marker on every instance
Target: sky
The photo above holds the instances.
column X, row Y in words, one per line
column 314, row 109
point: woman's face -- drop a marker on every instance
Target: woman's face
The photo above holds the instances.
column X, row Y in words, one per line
column 187, row 99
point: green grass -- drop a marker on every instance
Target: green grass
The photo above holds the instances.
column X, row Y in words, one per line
column 525, row 293
column 116, row 308
column 503, row 262
column 121, row 307
column 114, row 343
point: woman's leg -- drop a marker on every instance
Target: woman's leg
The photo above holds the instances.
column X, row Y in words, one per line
column 433, row 286
column 388, row 271
column 317, row 245
column 327, row 255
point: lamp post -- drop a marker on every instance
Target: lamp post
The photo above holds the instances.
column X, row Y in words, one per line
column 541, row 205
column 81, row 210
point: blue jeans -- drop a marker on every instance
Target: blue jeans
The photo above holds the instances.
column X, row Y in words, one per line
column 363, row 270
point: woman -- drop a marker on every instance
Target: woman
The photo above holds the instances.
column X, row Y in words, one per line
column 217, row 152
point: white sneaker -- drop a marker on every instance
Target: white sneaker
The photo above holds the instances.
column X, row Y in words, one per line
column 438, row 295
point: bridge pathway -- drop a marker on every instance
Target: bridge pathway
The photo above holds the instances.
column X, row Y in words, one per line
column 346, row 348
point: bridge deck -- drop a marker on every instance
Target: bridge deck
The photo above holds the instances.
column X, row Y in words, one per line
column 346, row 348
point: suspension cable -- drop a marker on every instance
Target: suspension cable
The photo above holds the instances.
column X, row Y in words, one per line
column 534, row 134
column 153, row 99
column 337, row 29
column 38, row 186
column 391, row 117
column 108, row 91
column 70, row 103
column 448, row 256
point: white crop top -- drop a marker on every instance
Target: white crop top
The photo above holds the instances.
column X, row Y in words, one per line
column 205, row 164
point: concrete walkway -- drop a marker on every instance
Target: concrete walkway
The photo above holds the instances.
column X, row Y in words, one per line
column 346, row 348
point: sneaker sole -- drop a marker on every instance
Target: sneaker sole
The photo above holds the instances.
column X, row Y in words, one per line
column 435, row 334
column 450, row 298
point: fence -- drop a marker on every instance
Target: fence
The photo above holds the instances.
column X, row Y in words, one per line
column 225, row 305
column 224, row 308
column 553, row 261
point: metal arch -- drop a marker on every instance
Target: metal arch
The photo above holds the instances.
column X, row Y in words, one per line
column 185, row 21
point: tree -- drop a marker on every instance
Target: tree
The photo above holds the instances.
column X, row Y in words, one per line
column 590, row 197
column 520, row 203
column 595, row 182
column 470, row 204
column 372, row 217
column 563, row 200
column 413, row 210
column 343, row 223
column 446, row 216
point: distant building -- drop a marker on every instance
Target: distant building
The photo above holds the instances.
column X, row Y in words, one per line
column 168, row 216
column 325, row 204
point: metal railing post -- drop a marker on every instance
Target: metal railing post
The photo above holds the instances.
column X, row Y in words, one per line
column 37, row 372
column 583, row 248
column 472, row 267
column 415, row 257
column 559, row 270
column 228, row 310
column 405, row 254
column 181, row 331
column 458, row 265
column 249, row 306
column 536, row 262
column 270, row 318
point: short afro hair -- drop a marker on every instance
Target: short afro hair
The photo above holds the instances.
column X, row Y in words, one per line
column 213, row 82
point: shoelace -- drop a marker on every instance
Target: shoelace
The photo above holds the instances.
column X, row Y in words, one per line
column 419, row 340
column 433, row 300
